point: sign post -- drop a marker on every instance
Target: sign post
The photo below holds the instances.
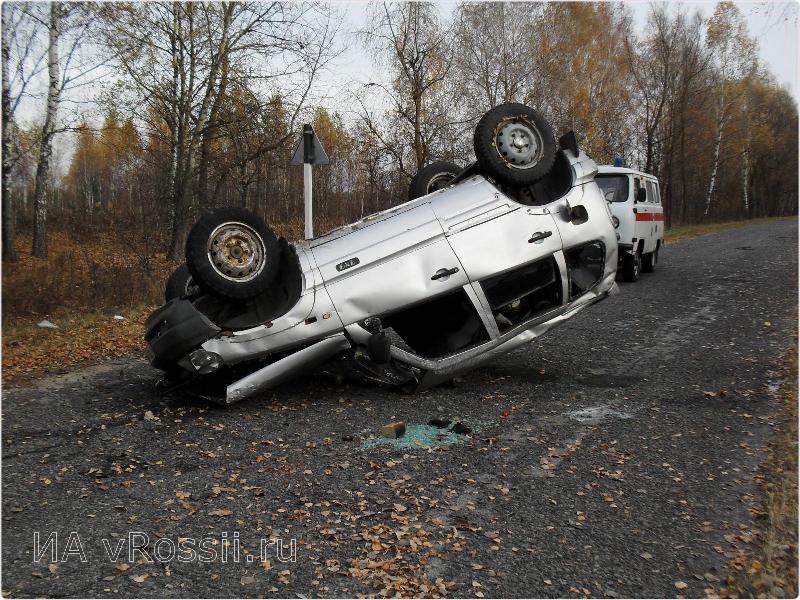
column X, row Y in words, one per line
column 309, row 152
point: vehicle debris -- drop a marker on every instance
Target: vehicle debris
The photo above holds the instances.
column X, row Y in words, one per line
column 47, row 324
column 394, row 430
column 460, row 429
column 417, row 437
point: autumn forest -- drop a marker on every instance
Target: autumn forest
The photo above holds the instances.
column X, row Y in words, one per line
column 201, row 104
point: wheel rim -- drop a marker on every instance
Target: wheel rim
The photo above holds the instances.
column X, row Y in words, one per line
column 236, row 252
column 439, row 182
column 519, row 143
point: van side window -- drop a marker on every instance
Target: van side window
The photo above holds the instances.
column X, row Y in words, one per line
column 651, row 197
column 657, row 189
column 637, row 185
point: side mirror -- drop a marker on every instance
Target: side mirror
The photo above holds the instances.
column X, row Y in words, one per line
column 641, row 195
column 578, row 215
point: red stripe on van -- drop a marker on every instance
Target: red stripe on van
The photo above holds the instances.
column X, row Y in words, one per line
column 642, row 216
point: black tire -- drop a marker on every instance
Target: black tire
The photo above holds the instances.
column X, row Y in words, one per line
column 529, row 163
column 432, row 177
column 632, row 266
column 648, row 262
column 178, row 283
column 245, row 253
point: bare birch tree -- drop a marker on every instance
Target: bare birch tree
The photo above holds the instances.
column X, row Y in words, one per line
column 23, row 59
column 734, row 53
column 48, row 131
column 494, row 58
column 68, row 26
column 655, row 67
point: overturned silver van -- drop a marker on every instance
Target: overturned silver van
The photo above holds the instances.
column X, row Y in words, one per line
column 486, row 259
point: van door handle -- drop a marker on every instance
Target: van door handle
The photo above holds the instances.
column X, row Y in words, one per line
column 539, row 236
column 442, row 273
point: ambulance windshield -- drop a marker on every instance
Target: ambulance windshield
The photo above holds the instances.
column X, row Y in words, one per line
column 614, row 186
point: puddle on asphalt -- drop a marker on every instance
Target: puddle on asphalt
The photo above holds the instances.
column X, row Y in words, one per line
column 418, row 437
column 595, row 414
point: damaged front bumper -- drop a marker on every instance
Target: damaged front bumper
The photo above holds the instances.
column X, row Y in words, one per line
column 174, row 335
column 175, row 330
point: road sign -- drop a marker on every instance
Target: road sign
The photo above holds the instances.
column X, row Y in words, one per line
column 309, row 149
column 309, row 152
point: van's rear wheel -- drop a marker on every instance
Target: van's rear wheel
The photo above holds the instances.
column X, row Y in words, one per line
column 515, row 144
column 232, row 252
column 632, row 266
column 432, row 177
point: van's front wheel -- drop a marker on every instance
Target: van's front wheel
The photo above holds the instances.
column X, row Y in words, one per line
column 649, row 262
column 632, row 266
column 514, row 144
column 233, row 253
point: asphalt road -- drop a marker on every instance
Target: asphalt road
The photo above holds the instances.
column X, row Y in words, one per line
column 624, row 466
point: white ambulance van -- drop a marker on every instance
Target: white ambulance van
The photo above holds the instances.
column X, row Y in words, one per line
column 638, row 216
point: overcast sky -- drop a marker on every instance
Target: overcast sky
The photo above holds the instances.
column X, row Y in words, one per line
column 773, row 24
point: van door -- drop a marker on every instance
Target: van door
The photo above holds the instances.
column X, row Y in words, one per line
column 388, row 264
column 647, row 215
column 659, row 213
column 518, row 237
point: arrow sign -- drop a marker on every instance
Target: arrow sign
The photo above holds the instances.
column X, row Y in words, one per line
column 309, row 149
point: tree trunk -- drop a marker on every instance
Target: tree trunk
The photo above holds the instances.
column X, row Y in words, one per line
column 180, row 224
column 713, row 179
column 745, row 178
column 46, row 148
column 9, row 252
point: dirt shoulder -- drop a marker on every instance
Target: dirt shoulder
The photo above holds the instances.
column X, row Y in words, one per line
column 30, row 351
column 768, row 568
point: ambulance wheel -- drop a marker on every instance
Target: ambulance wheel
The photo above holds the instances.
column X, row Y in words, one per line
column 649, row 262
column 632, row 266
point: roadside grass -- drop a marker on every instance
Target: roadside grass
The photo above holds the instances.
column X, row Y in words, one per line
column 87, row 278
column 772, row 570
column 689, row 231
column 30, row 352
column 84, row 272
